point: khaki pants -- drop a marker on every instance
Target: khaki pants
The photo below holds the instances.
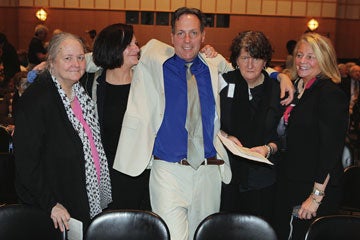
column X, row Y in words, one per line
column 183, row 197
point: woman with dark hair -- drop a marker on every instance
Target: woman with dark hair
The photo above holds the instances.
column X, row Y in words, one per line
column 116, row 51
column 250, row 112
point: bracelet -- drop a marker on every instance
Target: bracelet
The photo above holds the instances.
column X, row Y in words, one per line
column 268, row 151
column 272, row 150
column 314, row 200
column 318, row 192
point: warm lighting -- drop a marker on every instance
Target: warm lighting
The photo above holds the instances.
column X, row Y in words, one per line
column 313, row 24
column 41, row 14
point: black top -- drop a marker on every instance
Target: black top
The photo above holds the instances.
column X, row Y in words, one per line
column 115, row 102
column 35, row 46
column 316, row 134
column 111, row 101
column 254, row 123
column 10, row 61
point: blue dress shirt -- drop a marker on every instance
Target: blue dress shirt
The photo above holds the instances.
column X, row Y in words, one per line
column 171, row 140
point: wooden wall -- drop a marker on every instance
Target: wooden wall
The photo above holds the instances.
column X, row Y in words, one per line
column 18, row 24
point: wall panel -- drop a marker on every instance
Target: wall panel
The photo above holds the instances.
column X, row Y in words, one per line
column 41, row 3
column 238, row 6
column 147, row 5
column 269, row 7
column 341, row 10
column 353, row 12
column 117, row 4
column 310, row 8
column 132, row 4
column 163, row 5
column 102, row 4
column 87, row 4
column 223, row 6
column 314, row 9
column 299, row 9
column 194, row 3
column 253, row 7
column 24, row 3
column 175, row 4
column 279, row 29
column 72, row 3
column 209, row 7
column 56, row 3
column 284, row 8
column 328, row 10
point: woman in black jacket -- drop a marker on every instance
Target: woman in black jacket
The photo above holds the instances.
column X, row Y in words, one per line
column 61, row 166
column 315, row 126
column 250, row 112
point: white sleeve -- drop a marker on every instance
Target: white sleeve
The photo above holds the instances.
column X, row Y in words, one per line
column 90, row 65
column 222, row 83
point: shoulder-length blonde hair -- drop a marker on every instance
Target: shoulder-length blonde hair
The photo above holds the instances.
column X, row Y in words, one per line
column 324, row 53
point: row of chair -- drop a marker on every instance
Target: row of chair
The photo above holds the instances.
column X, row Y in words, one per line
column 20, row 222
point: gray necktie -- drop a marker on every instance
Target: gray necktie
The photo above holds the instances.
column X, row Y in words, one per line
column 193, row 125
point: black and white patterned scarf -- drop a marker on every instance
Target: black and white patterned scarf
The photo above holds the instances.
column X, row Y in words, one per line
column 99, row 193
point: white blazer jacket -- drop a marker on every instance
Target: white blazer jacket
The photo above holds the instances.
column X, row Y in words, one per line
column 146, row 105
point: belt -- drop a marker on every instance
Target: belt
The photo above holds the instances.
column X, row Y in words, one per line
column 208, row 161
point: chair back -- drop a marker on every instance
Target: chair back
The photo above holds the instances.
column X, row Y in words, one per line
column 351, row 189
column 334, row 227
column 127, row 224
column 231, row 226
column 19, row 222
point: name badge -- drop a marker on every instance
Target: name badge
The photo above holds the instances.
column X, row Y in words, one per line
column 231, row 89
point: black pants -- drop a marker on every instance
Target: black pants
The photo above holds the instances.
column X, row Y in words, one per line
column 130, row 192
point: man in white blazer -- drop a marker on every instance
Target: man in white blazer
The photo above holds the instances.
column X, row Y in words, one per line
column 154, row 124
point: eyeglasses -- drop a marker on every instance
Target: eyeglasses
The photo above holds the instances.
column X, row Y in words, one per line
column 182, row 34
column 307, row 57
column 246, row 59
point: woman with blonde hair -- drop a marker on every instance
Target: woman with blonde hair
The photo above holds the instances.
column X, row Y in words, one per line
column 315, row 125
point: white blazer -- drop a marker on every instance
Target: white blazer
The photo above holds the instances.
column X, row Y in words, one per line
column 146, row 105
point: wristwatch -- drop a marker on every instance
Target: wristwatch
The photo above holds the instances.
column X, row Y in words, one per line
column 318, row 192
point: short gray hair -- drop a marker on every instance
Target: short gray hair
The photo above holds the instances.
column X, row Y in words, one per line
column 54, row 45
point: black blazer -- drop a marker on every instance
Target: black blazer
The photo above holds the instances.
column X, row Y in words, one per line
column 316, row 134
column 345, row 85
column 50, row 165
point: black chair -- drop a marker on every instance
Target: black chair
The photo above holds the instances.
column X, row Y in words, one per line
column 229, row 226
column 19, row 222
column 351, row 189
column 127, row 224
column 334, row 227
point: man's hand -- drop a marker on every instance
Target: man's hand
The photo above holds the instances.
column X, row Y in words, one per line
column 286, row 86
column 41, row 66
column 209, row 51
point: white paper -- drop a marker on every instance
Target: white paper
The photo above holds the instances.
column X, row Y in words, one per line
column 75, row 229
column 243, row 151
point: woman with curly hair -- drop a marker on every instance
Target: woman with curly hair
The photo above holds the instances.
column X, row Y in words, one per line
column 250, row 112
